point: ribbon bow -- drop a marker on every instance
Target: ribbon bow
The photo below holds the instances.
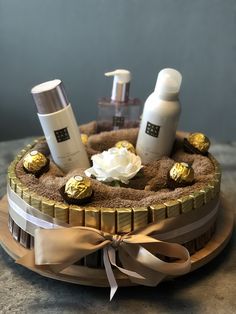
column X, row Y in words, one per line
column 56, row 249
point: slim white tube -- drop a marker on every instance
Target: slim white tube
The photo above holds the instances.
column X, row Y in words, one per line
column 59, row 126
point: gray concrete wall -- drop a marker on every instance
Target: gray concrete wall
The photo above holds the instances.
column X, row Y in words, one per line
column 78, row 40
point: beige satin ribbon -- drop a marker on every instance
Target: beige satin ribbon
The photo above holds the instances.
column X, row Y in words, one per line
column 56, row 249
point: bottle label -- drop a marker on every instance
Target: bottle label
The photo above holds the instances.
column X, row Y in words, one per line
column 118, row 121
column 62, row 135
column 152, row 129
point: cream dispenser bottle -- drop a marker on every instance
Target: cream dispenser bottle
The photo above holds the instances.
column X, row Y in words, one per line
column 160, row 117
column 59, row 125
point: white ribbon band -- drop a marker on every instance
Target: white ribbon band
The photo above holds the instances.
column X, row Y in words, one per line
column 190, row 227
column 19, row 211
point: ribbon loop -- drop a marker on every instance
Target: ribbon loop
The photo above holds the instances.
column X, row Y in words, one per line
column 59, row 248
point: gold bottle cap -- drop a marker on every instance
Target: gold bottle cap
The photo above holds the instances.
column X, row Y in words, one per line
column 84, row 138
column 78, row 188
column 199, row 141
column 181, row 173
column 34, row 162
column 127, row 145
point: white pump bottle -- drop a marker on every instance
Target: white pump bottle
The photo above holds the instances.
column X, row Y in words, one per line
column 59, row 125
column 160, row 117
column 121, row 84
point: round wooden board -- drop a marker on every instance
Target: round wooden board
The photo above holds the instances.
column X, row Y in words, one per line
column 97, row 277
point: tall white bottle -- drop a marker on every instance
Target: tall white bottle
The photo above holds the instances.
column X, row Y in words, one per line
column 160, row 117
column 59, row 125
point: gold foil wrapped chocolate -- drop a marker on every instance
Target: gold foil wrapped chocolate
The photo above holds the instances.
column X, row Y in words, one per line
column 127, row 145
column 84, row 138
column 36, row 163
column 77, row 190
column 181, row 174
column 197, row 143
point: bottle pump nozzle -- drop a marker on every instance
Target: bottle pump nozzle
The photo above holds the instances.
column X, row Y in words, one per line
column 121, row 84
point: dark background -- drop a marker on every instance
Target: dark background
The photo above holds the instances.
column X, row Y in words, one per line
column 78, row 40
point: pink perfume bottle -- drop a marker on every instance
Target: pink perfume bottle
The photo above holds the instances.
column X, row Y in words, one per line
column 119, row 111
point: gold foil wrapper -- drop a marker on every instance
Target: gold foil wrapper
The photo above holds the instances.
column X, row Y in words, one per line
column 172, row 208
column 19, row 189
column 158, row 212
column 93, row 220
column 140, row 217
column 78, row 187
column 217, row 167
column 215, row 187
column 26, row 196
column 61, row 212
column 47, row 207
column 36, row 201
column 76, row 215
column 207, row 194
column 92, row 217
column 124, row 220
column 198, row 199
column 12, row 181
column 127, row 145
column 34, row 161
column 108, row 220
column 84, row 138
column 199, row 141
column 186, row 203
column 182, row 173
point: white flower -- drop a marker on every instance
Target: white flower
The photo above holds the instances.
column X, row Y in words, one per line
column 114, row 164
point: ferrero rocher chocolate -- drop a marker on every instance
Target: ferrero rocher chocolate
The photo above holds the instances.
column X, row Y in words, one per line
column 181, row 174
column 84, row 138
column 127, row 145
column 197, row 143
column 77, row 190
column 36, row 163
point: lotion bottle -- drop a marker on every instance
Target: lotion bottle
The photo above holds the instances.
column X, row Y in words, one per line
column 160, row 117
column 59, row 125
column 119, row 110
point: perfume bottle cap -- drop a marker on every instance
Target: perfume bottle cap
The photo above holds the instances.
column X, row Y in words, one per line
column 121, row 84
column 168, row 82
column 49, row 96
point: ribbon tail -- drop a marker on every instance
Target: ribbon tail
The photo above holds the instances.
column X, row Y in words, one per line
column 147, row 276
column 153, row 269
column 128, row 272
column 109, row 272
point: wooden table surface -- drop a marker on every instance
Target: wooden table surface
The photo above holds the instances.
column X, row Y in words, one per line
column 211, row 289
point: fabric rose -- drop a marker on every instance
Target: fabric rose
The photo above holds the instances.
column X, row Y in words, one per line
column 114, row 164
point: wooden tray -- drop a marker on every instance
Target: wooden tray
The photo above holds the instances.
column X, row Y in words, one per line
column 97, row 277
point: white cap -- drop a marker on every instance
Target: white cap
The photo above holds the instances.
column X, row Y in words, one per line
column 120, row 89
column 168, row 82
